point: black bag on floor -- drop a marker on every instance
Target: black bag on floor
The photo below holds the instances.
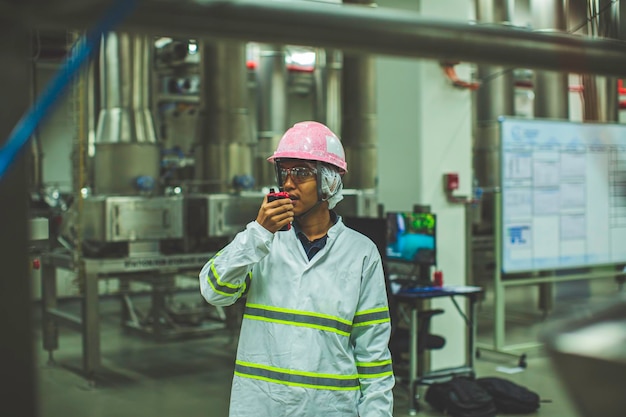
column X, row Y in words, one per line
column 461, row 397
column 510, row 397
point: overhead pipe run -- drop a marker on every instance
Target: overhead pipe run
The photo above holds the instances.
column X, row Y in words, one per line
column 348, row 27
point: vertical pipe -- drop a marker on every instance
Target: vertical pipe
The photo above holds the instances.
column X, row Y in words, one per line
column 499, row 311
column 80, row 114
column 90, row 322
column 621, row 20
column 328, row 88
column 272, row 108
column 360, row 116
column 551, row 95
column 224, row 132
column 16, row 321
column 494, row 98
column 36, row 148
column 551, row 88
column 609, row 28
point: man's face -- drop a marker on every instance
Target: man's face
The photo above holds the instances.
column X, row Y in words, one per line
column 299, row 179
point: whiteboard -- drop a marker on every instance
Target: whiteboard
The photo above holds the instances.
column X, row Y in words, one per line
column 563, row 194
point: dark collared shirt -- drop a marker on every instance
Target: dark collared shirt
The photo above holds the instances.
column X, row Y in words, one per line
column 313, row 247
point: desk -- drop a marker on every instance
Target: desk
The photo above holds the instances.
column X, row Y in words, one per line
column 411, row 296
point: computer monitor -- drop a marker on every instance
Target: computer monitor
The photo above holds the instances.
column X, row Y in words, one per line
column 411, row 238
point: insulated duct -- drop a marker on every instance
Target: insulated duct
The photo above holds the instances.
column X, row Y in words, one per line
column 224, row 134
column 125, row 144
column 272, row 108
column 359, row 121
column 125, row 65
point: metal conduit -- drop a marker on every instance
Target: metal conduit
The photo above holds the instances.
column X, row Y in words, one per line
column 347, row 27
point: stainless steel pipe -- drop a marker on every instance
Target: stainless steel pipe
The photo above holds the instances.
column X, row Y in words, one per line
column 359, row 121
column 347, row 27
column 271, row 109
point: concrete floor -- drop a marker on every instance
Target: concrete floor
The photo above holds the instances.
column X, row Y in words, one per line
column 192, row 378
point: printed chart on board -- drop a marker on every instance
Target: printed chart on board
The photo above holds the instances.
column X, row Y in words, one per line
column 563, row 189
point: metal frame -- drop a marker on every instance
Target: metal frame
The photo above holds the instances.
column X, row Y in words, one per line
column 158, row 267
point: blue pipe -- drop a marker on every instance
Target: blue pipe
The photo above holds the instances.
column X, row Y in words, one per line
column 81, row 52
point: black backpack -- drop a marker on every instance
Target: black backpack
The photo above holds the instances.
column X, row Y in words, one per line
column 460, row 397
column 510, row 397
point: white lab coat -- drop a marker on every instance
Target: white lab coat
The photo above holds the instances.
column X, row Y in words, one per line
column 314, row 337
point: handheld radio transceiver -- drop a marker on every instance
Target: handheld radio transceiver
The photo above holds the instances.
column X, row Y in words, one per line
column 273, row 195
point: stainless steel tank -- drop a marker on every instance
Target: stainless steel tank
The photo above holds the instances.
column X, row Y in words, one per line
column 125, row 145
column 119, row 165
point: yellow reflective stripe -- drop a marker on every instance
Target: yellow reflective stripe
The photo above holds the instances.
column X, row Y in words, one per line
column 297, row 324
column 308, row 313
column 374, row 369
column 368, row 364
column 246, row 283
column 296, row 378
column 370, row 311
column 290, row 317
column 372, row 316
column 213, row 279
column 217, row 276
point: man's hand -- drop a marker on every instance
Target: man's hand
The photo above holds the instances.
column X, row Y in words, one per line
column 275, row 214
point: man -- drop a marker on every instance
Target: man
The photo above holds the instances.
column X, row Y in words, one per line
column 316, row 327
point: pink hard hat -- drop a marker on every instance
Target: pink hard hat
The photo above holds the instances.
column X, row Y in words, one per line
column 311, row 141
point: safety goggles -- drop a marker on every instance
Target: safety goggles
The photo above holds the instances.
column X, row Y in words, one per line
column 297, row 174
